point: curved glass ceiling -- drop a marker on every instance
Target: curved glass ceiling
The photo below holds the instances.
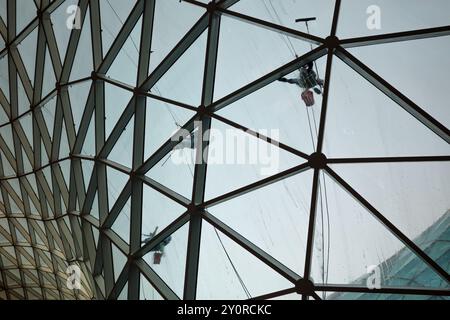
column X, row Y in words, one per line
column 149, row 145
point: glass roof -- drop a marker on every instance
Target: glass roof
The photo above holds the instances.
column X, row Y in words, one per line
column 162, row 147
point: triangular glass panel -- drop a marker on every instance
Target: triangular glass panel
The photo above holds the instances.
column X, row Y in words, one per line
column 14, row 183
column 96, row 235
column 68, row 224
column 183, row 81
column 23, row 226
column 403, row 192
column 2, row 43
column 176, row 169
column 363, row 122
column 27, row 279
column 380, row 296
column 64, row 149
column 8, row 257
column 7, row 135
column 122, row 152
column 147, row 291
column 23, row 102
column 32, row 181
column 122, row 224
column 11, row 251
column 4, row 78
column 89, row 140
column 16, row 208
column 29, row 254
column 87, row 167
column 44, row 156
column 20, row 237
column 116, row 100
column 116, row 182
column 83, row 64
column 49, row 80
column 173, row 19
column 3, row 116
column 48, row 113
column 124, row 293
column 279, row 107
column 3, row 11
column 11, row 281
column 38, row 237
column 427, row 87
column 274, row 218
column 19, row 293
column 29, row 44
column 162, row 121
column 7, row 168
column 125, row 66
column 240, row 272
column 60, row 18
column 33, row 295
column 25, row 13
column 158, row 211
column 27, row 166
column 119, row 260
column 288, row 297
column 51, row 294
column 65, row 169
column 237, row 159
column 113, row 14
column 4, row 223
column 256, row 52
column 78, row 97
column 359, row 250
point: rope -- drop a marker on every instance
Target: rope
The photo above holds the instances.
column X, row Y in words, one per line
column 172, row 114
column 241, row 281
column 327, row 212
column 278, row 20
column 121, row 21
column 244, row 287
column 312, row 48
column 323, row 195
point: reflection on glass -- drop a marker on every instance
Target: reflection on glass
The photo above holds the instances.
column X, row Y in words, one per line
column 359, row 250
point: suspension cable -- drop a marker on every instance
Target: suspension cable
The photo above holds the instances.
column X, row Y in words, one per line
column 311, row 119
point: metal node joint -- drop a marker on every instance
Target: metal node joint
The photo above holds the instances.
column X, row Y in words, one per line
column 318, row 161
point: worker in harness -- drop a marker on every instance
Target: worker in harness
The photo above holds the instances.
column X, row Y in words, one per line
column 307, row 80
column 158, row 251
